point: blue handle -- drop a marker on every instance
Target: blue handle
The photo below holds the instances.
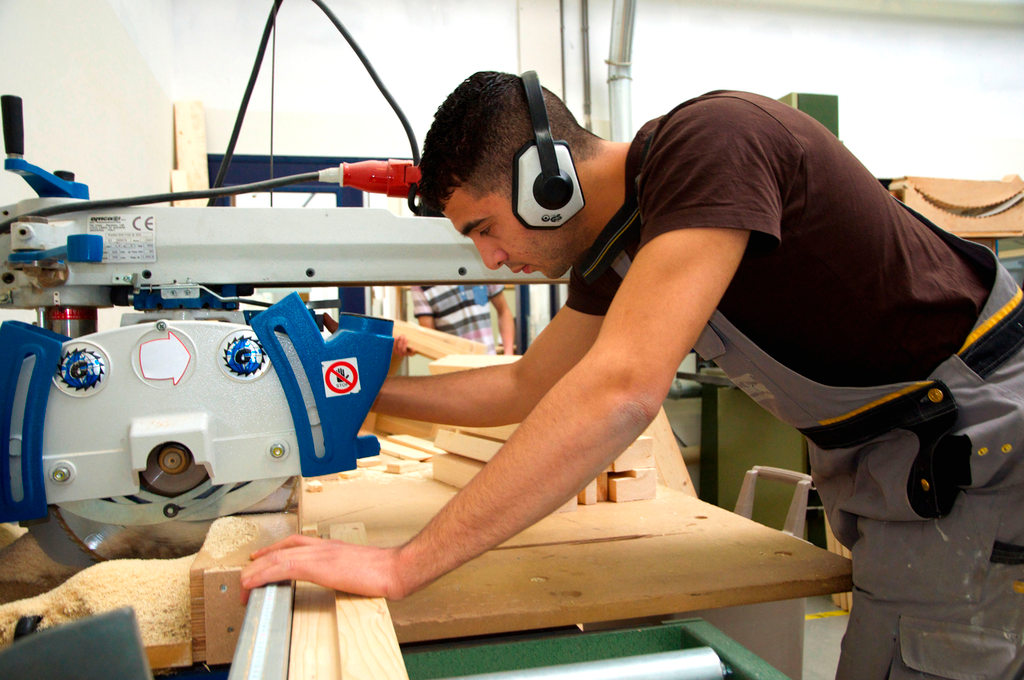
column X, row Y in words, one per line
column 44, row 183
column 18, row 342
column 365, row 340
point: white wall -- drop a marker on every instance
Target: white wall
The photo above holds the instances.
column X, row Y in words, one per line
column 324, row 102
column 917, row 94
column 92, row 104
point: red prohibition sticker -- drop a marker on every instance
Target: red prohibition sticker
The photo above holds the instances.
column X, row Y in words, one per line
column 341, row 376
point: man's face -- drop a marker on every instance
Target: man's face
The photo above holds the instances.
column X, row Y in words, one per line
column 502, row 240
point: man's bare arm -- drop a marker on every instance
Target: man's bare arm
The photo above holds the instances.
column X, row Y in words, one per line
column 577, row 429
column 496, row 395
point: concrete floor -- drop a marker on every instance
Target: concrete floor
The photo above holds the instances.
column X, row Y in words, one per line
column 824, row 626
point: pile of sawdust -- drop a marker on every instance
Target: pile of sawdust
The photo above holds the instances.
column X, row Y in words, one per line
column 9, row 533
column 27, row 571
column 158, row 590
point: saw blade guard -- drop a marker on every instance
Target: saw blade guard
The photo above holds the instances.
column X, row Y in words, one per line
column 347, row 371
column 28, row 357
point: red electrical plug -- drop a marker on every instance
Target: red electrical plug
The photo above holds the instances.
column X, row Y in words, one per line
column 391, row 177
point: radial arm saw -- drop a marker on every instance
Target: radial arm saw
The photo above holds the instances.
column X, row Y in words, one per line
column 130, row 442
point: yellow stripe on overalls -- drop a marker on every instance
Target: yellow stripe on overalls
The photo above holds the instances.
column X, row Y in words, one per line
column 992, row 321
column 611, row 242
column 877, row 402
column 977, row 334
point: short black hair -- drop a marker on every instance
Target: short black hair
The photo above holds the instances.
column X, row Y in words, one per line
column 478, row 130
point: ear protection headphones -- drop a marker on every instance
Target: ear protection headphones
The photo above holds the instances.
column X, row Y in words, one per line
column 545, row 189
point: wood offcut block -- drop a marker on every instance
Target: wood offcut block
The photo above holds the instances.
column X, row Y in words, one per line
column 635, row 485
column 569, row 506
column 455, row 470
column 602, row 487
column 640, row 454
column 589, row 494
column 466, row 445
column 404, row 466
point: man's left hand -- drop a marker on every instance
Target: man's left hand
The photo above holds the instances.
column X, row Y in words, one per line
column 357, row 569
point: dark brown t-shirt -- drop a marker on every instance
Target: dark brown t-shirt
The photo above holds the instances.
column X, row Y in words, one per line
column 839, row 282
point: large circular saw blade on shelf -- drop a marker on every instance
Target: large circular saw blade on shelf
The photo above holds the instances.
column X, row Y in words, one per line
column 142, row 526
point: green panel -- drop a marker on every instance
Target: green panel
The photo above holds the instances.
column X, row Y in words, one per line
column 493, row 657
column 458, row 659
column 748, row 435
column 823, row 108
column 744, row 664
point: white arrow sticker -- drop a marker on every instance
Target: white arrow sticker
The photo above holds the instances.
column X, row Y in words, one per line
column 164, row 359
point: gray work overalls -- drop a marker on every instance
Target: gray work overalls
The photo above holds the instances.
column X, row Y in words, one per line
column 923, row 482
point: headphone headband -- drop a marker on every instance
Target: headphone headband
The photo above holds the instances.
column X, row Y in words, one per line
column 541, row 125
column 545, row 188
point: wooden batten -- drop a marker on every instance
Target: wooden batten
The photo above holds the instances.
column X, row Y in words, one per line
column 455, row 470
column 466, row 445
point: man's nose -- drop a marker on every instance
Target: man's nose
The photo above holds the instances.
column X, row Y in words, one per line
column 493, row 257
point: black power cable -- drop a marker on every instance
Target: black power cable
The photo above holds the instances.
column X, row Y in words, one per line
column 78, row 206
column 226, row 161
column 268, row 29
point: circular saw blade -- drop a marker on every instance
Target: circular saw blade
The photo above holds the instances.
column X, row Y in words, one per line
column 80, row 540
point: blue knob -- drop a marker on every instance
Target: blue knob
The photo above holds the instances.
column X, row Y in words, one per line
column 85, row 248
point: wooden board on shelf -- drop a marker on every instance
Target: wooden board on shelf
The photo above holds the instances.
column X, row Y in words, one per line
column 190, row 150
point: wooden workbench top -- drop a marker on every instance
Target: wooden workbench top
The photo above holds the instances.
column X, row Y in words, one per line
column 604, row 562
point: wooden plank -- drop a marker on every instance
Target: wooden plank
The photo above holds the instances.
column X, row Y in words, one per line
column 455, row 470
column 435, row 344
column 314, row 644
column 351, row 474
column 463, row 362
column 418, row 443
column 671, row 467
column 400, row 451
column 367, row 644
column 640, row 454
column 217, row 613
column 634, row 485
column 499, row 433
column 466, row 445
column 190, row 148
column 370, row 461
column 398, row 425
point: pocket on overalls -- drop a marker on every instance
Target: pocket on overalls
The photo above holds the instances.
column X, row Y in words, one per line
column 952, row 650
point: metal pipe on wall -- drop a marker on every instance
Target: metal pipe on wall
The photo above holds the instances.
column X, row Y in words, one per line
column 620, row 70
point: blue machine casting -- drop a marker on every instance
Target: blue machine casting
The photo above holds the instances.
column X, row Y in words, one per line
column 18, row 342
column 45, row 184
column 363, row 338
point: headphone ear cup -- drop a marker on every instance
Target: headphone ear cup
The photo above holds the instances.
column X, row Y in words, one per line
column 553, row 193
column 544, row 204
